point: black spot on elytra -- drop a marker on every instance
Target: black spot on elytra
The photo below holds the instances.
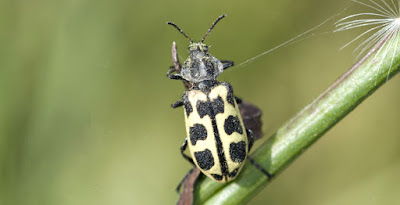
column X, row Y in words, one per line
column 202, row 108
column 204, row 159
column 197, row 132
column 217, row 105
column 210, row 108
column 230, row 98
column 188, row 108
column 217, row 177
column 232, row 124
column 233, row 173
column 188, row 105
column 237, row 151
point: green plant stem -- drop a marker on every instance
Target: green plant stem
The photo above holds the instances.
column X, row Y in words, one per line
column 296, row 135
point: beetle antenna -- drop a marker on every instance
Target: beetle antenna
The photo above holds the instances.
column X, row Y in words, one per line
column 180, row 30
column 212, row 26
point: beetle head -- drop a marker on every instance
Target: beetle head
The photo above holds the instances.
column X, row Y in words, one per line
column 200, row 65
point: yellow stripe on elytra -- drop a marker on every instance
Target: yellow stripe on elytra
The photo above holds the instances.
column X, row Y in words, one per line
column 194, row 96
column 222, row 91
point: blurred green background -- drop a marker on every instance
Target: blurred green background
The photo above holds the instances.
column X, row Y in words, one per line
column 85, row 114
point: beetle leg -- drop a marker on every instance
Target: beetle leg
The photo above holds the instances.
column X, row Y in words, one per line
column 250, row 138
column 183, row 148
column 178, row 103
column 259, row 167
column 173, row 76
column 238, row 100
column 226, row 64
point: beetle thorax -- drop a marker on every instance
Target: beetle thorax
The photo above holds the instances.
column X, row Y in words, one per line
column 200, row 65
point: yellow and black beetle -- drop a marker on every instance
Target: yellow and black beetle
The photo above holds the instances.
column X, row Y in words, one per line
column 218, row 141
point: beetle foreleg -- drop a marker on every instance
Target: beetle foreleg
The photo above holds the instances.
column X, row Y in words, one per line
column 226, row 64
column 173, row 76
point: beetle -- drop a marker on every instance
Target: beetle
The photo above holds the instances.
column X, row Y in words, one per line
column 218, row 141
